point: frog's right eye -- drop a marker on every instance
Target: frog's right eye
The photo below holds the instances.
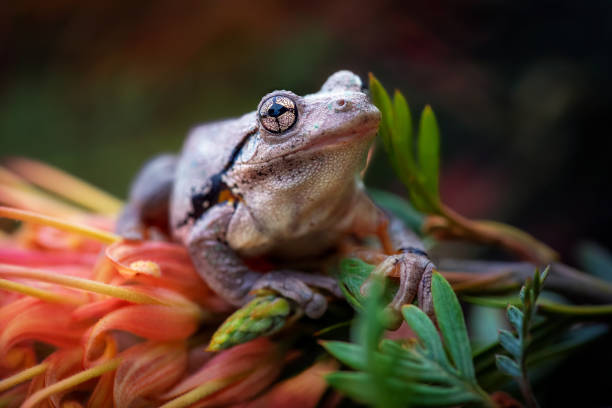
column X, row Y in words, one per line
column 278, row 113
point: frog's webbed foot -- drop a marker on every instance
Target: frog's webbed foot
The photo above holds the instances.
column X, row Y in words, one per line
column 414, row 270
column 298, row 286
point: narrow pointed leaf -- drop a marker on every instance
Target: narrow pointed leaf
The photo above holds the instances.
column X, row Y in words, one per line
column 510, row 343
column 507, row 366
column 543, row 276
column 401, row 136
column 400, row 207
column 523, row 293
column 452, row 325
column 349, row 354
column 426, row 332
column 515, row 317
column 358, row 386
column 381, row 99
column 427, row 395
column 429, row 152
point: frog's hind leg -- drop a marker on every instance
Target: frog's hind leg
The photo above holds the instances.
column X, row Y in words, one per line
column 149, row 199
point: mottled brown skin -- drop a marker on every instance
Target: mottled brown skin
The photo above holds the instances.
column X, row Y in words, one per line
column 238, row 191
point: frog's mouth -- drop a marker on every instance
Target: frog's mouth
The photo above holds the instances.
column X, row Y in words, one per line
column 332, row 140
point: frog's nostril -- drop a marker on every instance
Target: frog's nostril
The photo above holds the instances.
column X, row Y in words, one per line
column 341, row 105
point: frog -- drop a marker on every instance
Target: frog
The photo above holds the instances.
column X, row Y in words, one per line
column 282, row 182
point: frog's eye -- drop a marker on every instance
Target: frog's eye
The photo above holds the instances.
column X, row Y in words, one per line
column 278, row 113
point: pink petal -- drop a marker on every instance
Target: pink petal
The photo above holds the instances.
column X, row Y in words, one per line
column 260, row 360
column 153, row 322
column 302, row 391
column 177, row 271
column 45, row 322
column 147, row 370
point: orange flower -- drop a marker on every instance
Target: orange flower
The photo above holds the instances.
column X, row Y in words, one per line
column 87, row 320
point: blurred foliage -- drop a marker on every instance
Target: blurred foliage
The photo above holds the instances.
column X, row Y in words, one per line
column 443, row 371
column 431, row 372
column 419, row 171
column 517, row 345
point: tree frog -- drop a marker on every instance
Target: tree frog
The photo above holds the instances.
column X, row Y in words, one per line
column 281, row 183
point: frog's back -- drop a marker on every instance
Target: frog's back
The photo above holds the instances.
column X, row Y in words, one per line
column 207, row 153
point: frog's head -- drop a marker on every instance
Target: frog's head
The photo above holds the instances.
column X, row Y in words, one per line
column 339, row 116
column 303, row 156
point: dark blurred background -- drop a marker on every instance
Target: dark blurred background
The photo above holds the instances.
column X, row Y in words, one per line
column 521, row 90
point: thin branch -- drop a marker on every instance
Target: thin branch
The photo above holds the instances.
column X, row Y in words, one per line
column 568, row 281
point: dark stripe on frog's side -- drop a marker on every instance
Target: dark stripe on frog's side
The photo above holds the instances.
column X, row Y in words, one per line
column 202, row 201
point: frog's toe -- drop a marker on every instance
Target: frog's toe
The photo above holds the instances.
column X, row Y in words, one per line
column 289, row 285
column 425, row 297
column 316, row 307
column 414, row 271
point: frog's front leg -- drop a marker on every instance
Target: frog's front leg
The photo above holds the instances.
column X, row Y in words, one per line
column 226, row 273
column 411, row 264
column 406, row 257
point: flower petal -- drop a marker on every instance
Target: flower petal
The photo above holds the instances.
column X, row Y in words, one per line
column 46, row 322
column 153, row 322
column 172, row 269
column 102, row 395
column 34, row 258
column 302, row 391
column 64, row 184
column 255, row 365
column 146, row 370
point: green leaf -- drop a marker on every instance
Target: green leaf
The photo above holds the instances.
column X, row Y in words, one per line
column 429, row 153
column 452, row 325
column 401, row 139
column 403, row 122
column 352, row 273
column 426, row 332
column 381, row 99
column 523, row 295
column 349, row 354
column 507, row 366
column 596, row 260
column 543, row 277
column 492, row 301
column 515, row 317
column 401, row 208
column 510, row 343
column 427, row 395
column 357, row 385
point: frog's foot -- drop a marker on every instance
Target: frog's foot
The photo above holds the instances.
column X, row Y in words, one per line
column 414, row 270
column 298, row 286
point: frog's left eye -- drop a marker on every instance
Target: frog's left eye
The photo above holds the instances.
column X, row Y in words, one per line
column 278, row 113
